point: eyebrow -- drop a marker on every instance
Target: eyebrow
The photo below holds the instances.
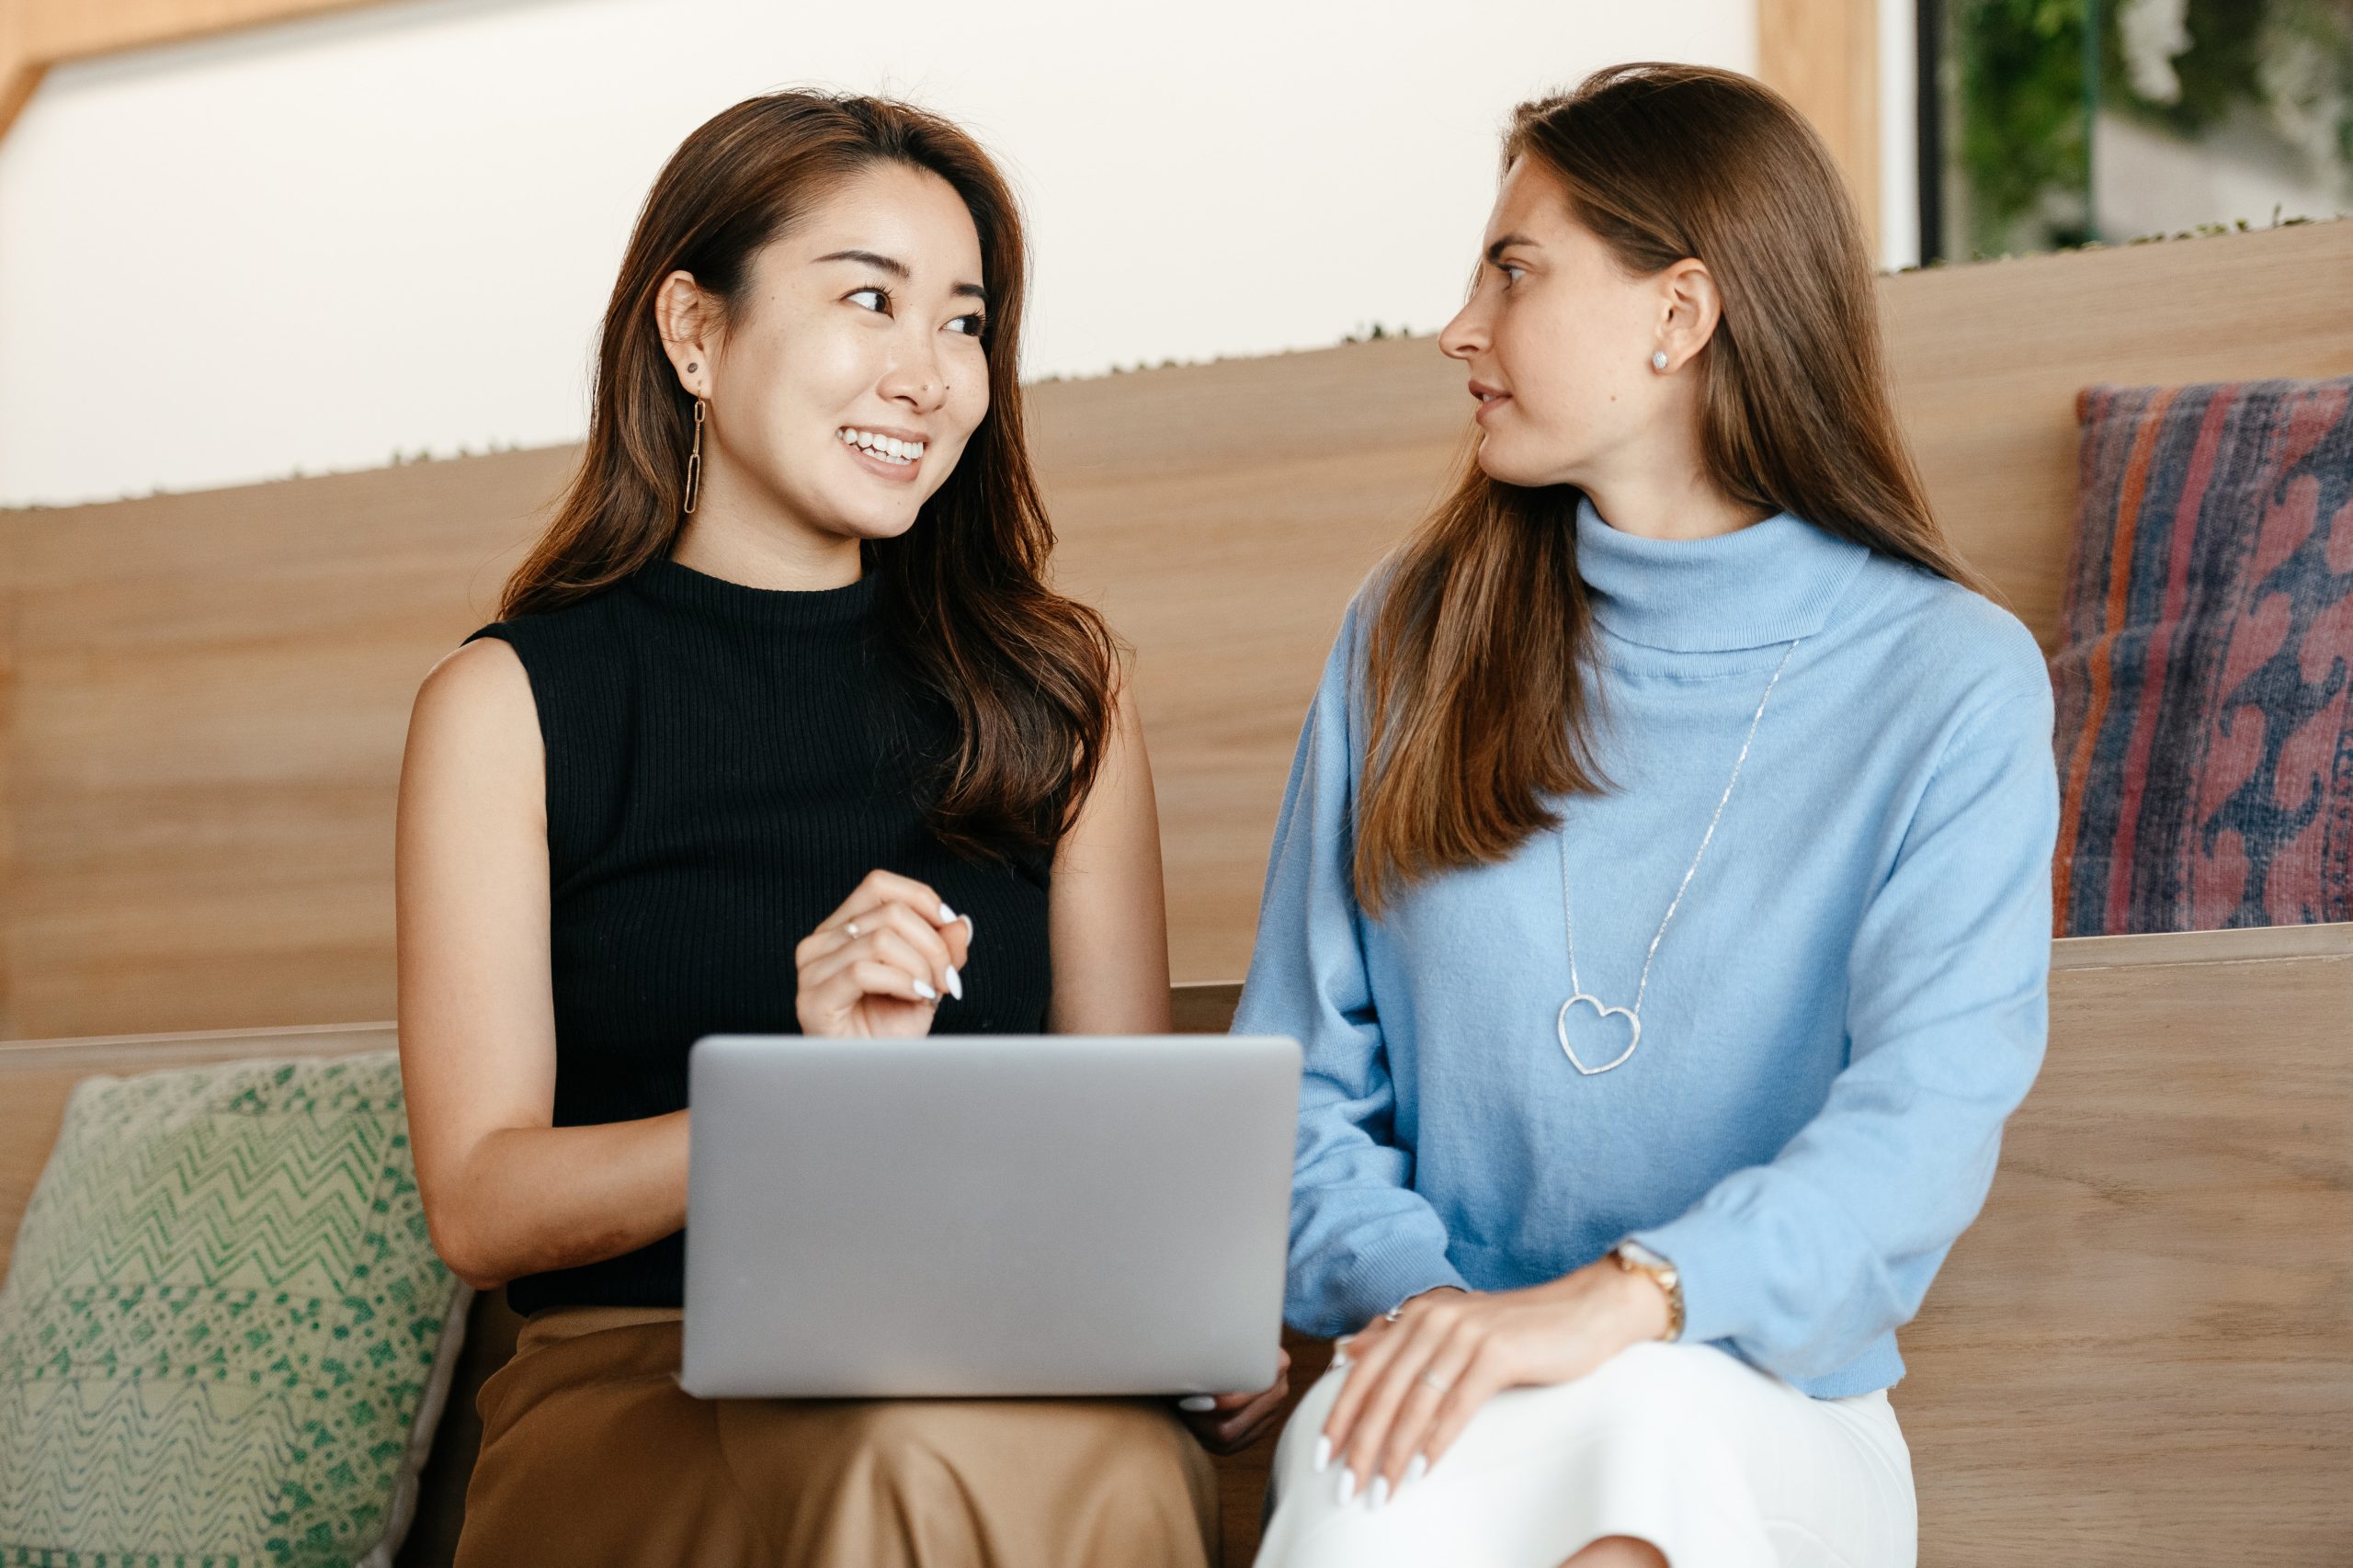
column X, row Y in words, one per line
column 898, row 270
column 1495, row 251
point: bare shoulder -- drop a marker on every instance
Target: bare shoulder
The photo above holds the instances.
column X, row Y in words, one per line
column 1125, row 766
column 483, row 679
column 475, row 722
column 1126, row 722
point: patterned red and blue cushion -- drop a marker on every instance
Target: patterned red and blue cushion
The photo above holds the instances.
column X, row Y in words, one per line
column 2205, row 724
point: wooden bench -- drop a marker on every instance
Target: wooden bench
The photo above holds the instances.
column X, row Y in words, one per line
column 2142, row 1349
column 2141, row 1352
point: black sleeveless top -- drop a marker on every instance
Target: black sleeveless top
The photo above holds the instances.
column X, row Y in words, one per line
column 724, row 762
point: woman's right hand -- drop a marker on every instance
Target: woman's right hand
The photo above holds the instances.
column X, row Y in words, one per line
column 877, row 965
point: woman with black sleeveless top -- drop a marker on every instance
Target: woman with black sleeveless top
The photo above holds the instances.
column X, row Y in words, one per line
column 780, row 728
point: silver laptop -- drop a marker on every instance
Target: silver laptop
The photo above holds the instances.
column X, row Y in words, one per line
column 988, row 1215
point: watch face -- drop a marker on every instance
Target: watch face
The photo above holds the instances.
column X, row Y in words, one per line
column 1636, row 1253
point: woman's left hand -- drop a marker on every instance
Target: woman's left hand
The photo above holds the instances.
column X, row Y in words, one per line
column 1415, row 1382
column 1229, row 1423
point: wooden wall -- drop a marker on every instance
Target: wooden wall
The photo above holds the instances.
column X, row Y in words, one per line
column 202, row 697
column 1823, row 55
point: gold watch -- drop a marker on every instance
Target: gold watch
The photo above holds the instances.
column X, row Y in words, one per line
column 1635, row 1259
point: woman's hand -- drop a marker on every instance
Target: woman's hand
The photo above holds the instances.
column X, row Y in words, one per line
column 877, row 965
column 1415, row 1382
column 1229, row 1423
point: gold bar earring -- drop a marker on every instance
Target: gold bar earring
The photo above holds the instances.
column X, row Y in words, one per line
column 694, row 459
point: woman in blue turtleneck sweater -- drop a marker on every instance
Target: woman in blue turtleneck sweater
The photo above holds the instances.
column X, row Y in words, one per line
column 1661, row 894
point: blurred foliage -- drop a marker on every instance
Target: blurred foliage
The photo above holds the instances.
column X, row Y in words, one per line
column 2023, row 103
column 2023, row 144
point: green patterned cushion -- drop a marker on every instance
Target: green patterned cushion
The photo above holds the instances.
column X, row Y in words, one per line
column 224, row 1337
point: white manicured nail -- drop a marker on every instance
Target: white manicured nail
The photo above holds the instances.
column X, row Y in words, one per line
column 1348, row 1485
column 1323, row 1455
column 1198, row 1402
column 955, row 983
column 923, row 990
column 1379, row 1497
column 946, row 915
column 1415, row 1468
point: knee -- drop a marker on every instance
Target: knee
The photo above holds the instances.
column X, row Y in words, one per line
column 1656, row 1401
column 890, row 1441
column 1619, row 1551
column 1673, row 1386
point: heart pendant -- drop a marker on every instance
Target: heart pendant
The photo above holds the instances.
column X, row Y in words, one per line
column 1561, row 1027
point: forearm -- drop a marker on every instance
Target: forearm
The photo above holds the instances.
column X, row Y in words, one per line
column 529, row 1199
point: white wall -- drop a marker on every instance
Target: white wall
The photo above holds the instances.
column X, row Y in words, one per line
column 2146, row 182
column 310, row 247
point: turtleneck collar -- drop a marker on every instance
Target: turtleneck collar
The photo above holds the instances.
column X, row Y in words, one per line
column 1770, row 582
column 667, row 582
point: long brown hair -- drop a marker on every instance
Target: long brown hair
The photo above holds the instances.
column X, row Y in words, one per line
column 1476, row 704
column 961, row 596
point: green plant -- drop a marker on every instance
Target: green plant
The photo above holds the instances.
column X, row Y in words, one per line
column 2023, row 146
column 2029, row 76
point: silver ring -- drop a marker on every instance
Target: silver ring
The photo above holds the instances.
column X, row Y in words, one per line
column 1435, row 1381
column 1392, row 1314
column 852, row 928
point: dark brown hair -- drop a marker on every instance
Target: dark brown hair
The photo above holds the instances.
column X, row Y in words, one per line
column 1476, row 704
column 961, row 596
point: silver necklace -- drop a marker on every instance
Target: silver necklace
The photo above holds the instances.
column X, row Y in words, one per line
column 1633, row 1015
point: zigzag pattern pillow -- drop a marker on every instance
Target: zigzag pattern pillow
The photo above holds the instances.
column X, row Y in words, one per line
column 224, row 1337
column 2205, row 687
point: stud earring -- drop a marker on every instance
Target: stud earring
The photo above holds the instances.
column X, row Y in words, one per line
column 694, row 461
column 692, row 368
column 1658, row 359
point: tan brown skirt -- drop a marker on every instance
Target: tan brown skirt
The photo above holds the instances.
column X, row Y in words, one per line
column 591, row 1453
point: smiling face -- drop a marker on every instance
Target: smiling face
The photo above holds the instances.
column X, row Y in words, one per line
column 1558, row 341
column 850, row 375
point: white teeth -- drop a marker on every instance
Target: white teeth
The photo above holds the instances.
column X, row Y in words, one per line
column 890, row 448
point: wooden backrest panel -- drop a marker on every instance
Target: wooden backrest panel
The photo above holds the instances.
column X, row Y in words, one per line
column 202, row 697
column 209, row 699
column 2142, row 1350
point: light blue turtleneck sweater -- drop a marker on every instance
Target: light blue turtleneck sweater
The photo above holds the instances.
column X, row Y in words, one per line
column 1849, row 1002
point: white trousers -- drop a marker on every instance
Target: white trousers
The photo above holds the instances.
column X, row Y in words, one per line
column 1717, row 1464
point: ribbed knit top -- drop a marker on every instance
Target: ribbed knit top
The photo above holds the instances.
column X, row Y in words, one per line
column 724, row 762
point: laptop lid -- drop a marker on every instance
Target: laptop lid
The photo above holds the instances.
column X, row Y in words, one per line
column 988, row 1215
